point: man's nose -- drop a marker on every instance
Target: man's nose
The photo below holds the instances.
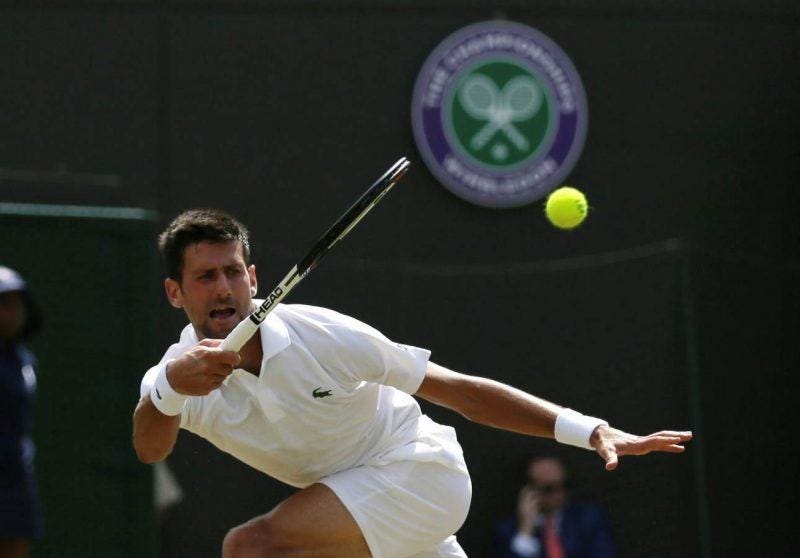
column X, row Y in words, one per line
column 223, row 285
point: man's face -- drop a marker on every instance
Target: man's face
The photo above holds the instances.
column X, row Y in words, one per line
column 216, row 288
column 12, row 315
column 546, row 477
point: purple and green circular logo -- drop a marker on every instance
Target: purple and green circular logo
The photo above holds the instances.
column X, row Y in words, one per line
column 499, row 114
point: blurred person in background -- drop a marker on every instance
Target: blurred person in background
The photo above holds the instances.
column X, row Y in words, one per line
column 548, row 524
column 20, row 516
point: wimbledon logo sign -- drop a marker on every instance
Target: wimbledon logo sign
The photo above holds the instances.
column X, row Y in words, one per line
column 499, row 114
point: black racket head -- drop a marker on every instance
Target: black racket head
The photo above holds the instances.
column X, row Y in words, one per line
column 353, row 215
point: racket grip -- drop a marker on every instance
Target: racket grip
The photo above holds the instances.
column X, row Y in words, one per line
column 240, row 335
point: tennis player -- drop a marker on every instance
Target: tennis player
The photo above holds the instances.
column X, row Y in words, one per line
column 323, row 402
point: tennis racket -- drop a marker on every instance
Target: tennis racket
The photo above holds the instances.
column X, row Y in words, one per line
column 247, row 327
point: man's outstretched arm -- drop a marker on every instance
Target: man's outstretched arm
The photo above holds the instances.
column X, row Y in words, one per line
column 496, row 404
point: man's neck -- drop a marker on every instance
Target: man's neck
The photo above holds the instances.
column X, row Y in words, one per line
column 252, row 355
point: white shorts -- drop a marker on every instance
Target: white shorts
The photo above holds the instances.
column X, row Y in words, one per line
column 407, row 508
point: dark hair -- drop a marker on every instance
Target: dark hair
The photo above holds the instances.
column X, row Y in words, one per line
column 199, row 225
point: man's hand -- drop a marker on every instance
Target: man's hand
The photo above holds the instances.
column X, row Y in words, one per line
column 201, row 369
column 611, row 443
column 527, row 510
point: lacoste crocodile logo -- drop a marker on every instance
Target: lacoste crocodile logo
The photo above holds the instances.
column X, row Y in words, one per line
column 318, row 393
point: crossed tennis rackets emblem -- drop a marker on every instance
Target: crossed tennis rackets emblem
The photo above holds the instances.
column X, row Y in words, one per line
column 518, row 100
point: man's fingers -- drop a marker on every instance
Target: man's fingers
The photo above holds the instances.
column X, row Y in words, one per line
column 609, row 455
column 674, row 449
column 654, row 442
column 616, row 443
column 684, row 435
column 661, row 440
column 230, row 358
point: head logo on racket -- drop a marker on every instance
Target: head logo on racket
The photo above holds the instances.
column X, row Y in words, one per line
column 499, row 114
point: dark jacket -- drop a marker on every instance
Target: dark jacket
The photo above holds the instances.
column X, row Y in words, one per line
column 585, row 533
column 20, row 515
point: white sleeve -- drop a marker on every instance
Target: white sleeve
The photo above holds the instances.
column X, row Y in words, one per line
column 357, row 352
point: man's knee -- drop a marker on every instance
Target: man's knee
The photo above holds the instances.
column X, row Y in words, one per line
column 253, row 539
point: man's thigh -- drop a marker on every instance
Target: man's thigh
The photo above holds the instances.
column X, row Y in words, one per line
column 313, row 522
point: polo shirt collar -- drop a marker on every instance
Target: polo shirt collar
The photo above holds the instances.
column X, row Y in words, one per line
column 274, row 339
column 274, row 336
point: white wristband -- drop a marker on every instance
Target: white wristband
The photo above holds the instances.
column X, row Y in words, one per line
column 167, row 400
column 576, row 429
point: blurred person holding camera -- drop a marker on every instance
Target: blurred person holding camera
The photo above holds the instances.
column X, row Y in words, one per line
column 20, row 516
column 550, row 525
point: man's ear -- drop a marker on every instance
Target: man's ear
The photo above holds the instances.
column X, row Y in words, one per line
column 251, row 272
column 174, row 293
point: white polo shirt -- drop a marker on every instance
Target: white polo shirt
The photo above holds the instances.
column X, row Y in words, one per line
column 333, row 394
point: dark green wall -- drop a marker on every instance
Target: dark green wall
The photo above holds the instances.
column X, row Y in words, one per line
column 93, row 281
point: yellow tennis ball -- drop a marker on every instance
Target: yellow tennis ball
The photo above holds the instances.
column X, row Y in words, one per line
column 566, row 207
